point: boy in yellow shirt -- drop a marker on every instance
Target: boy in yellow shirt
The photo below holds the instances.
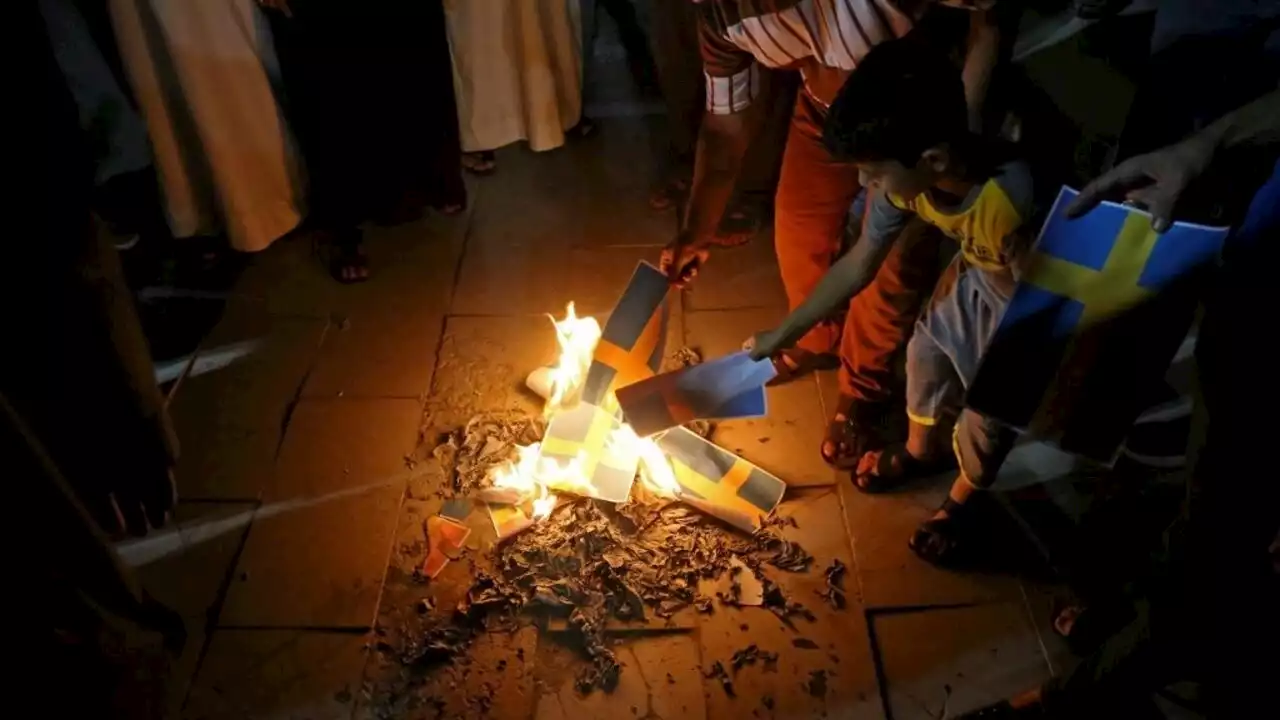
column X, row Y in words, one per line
column 901, row 118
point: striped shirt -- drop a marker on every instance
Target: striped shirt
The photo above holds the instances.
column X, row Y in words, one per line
column 823, row 39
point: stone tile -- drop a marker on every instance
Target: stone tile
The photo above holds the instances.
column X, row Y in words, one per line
column 413, row 267
column 1040, row 599
column 187, row 567
column 741, row 277
column 494, row 678
column 229, row 420
column 524, row 279
column 844, row 650
column 278, row 674
column 483, row 365
column 942, row 662
column 786, row 442
column 660, row 679
column 287, row 278
column 315, row 563
column 343, row 444
column 888, row 571
column 384, row 355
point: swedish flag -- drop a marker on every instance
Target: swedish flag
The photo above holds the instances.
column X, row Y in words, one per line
column 582, row 434
column 1101, row 309
column 632, row 343
column 719, row 482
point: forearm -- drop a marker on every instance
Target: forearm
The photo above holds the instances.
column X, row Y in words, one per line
column 722, row 143
column 1257, row 123
column 846, row 278
column 980, row 61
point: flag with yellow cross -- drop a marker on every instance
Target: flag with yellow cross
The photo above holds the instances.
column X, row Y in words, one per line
column 630, row 349
column 1101, row 308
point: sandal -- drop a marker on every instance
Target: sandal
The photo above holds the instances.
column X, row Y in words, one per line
column 892, row 467
column 848, row 436
column 481, row 163
column 670, row 194
column 794, row 363
column 585, row 128
column 348, row 263
column 938, row 541
column 739, row 225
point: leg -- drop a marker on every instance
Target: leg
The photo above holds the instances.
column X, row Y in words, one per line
column 981, row 446
column 814, row 193
column 880, row 318
column 934, row 395
column 758, row 180
column 675, row 49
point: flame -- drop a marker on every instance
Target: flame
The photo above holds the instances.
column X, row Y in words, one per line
column 577, row 338
column 655, row 468
column 543, row 506
column 533, row 476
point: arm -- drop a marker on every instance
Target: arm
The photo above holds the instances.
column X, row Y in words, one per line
column 846, row 278
column 1157, row 180
column 722, row 143
column 980, row 60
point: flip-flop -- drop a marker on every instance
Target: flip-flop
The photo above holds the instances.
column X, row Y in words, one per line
column 739, row 225
column 892, row 467
column 345, row 256
column 670, row 194
column 940, row 540
column 481, row 164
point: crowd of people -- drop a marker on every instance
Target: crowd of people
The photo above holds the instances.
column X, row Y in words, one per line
column 874, row 133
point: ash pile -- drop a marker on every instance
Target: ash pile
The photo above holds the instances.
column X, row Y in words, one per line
column 589, row 568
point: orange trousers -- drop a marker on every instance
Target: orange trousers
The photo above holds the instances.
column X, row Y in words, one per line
column 811, row 210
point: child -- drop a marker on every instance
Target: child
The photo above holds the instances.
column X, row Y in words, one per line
column 901, row 118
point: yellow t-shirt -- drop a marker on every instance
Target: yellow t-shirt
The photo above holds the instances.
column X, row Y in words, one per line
column 986, row 223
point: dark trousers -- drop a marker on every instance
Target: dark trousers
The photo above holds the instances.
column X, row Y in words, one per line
column 369, row 94
column 814, row 195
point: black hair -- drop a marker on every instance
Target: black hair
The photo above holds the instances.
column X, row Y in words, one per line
column 905, row 97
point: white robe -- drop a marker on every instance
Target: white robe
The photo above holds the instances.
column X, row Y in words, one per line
column 204, row 74
column 517, row 70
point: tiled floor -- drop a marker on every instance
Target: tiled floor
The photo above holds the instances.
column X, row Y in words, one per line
column 297, row 454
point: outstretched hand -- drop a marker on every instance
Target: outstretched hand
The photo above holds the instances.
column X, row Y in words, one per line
column 763, row 344
column 1154, row 182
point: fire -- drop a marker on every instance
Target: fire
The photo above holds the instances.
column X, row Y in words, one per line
column 655, row 468
column 577, row 338
column 532, row 477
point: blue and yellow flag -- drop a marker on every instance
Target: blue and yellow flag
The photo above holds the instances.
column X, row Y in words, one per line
column 719, row 482
column 634, row 337
column 581, row 434
column 727, row 387
column 1101, row 309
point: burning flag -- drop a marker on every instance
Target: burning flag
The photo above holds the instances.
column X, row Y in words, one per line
column 588, row 435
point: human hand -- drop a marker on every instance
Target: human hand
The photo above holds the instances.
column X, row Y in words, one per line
column 764, row 344
column 1153, row 182
column 681, row 260
column 281, row 6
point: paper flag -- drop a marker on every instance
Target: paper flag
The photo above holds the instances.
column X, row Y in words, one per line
column 720, row 483
column 1102, row 307
column 633, row 339
column 582, row 434
column 728, row 387
column 445, row 538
